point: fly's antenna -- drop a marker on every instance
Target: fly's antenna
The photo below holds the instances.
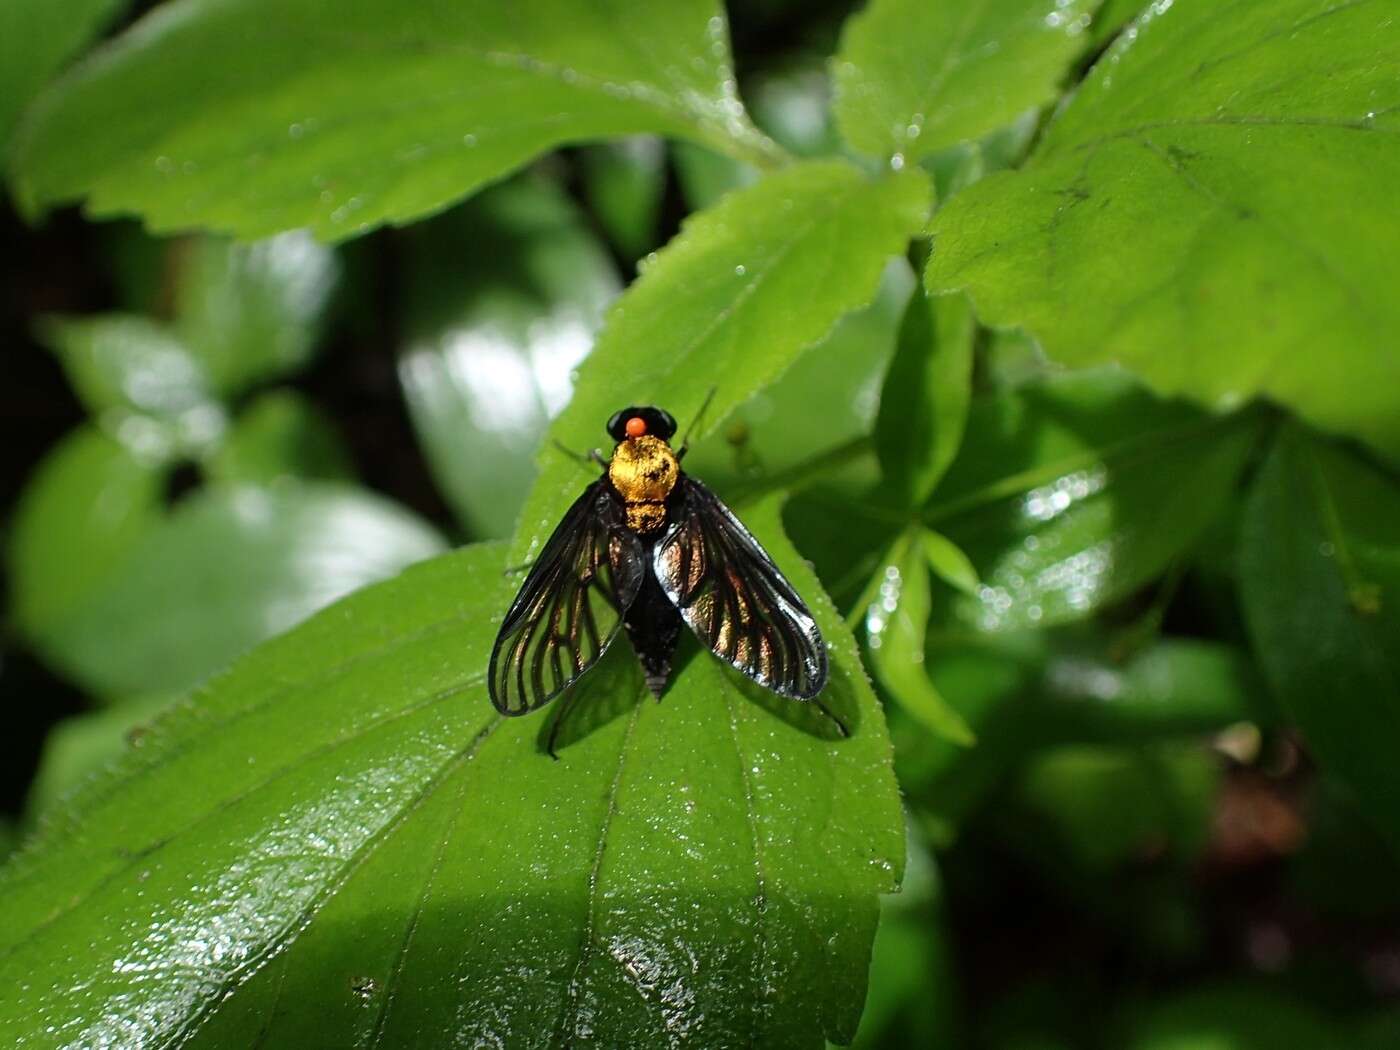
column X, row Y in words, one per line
column 699, row 416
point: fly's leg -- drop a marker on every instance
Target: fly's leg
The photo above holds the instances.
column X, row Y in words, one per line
column 699, row 416
column 594, row 456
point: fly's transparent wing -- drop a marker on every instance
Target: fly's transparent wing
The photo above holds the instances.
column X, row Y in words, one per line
column 734, row 598
column 570, row 606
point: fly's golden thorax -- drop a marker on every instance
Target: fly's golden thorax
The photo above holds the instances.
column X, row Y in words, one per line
column 643, row 470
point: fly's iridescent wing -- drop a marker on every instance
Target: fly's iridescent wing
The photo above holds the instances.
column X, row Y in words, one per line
column 734, row 598
column 570, row 606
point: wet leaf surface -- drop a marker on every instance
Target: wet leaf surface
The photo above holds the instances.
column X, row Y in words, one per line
column 1073, row 491
column 87, row 505
column 896, row 626
column 816, row 412
column 228, row 567
column 729, row 304
column 914, row 77
column 504, row 296
column 340, row 843
column 1211, row 209
column 373, row 114
column 1320, row 579
column 252, row 312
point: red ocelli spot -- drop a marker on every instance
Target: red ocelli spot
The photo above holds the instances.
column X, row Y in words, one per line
column 636, row 427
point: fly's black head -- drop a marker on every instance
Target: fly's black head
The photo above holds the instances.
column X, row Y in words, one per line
column 637, row 420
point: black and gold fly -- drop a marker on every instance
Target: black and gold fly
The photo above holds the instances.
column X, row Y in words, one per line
column 647, row 547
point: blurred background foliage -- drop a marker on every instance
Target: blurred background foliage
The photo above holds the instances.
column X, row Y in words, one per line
column 1118, row 835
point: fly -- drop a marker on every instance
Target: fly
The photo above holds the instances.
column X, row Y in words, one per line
column 648, row 548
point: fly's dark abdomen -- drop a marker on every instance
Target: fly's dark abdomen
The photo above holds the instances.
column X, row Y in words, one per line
column 653, row 625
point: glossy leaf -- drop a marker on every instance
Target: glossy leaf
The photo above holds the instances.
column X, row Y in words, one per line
column 817, row 412
column 913, row 77
column 36, row 38
column 1072, row 492
column 896, row 627
column 139, row 381
column 948, row 562
column 923, row 403
column 728, row 305
column 281, row 435
column 1211, row 210
column 1320, row 565
column 504, row 296
column 87, row 505
column 251, row 312
column 1112, row 17
column 373, row 114
column 339, row 842
column 229, row 567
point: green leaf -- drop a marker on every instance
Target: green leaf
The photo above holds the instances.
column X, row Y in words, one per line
column 503, row 297
column 87, row 505
column 1212, row 210
column 1111, row 18
column 36, row 38
column 896, row 626
column 1105, row 806
column 913, row 990
column 1059, row 501
column 281, row 435
column 624, row 183
column 77, row 748
column 705, row 176
column 1176, row 687
column 1023, row 693
column 913, row 77
column 244, row 313
column 1320, row 579
column 339, row 842
column 923, row 403
column 728, row 305
column 949, row 563
column 954, row 168
column 368, row 114
column 819, row 411
column 1232, row 1016
column 251, row 312
column 122, row 365
column 229, row 567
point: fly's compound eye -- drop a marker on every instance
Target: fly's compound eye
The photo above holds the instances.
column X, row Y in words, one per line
column 637, row 420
